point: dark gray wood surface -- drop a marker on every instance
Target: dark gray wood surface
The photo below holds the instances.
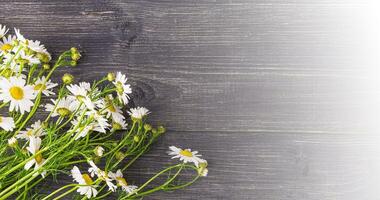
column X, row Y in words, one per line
column 281, row 96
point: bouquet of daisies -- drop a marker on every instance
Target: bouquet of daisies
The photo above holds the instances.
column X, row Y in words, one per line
column 88, row 131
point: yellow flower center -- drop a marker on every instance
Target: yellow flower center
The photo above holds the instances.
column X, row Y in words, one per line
column 39, row 87
column 63, row 111
column 186, row 153
column 80, row 98
column 17, row 92
column 121, row 181
column 87, row 179
column 111, row 108
column 29, row 133
column 38, row 158
column 6, row 47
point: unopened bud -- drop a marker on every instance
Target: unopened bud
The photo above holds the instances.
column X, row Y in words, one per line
column 73, row 63
column 67, row 79
column 147, row 127
column 75, row 56
column 111, row 77
column 161, row 129
column 136, row 138
column 120, row 155
column 46, row 66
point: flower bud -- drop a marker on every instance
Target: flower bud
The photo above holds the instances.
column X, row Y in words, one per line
column 111, row 76
column 161, row 129
column 75, row 56
column 73, row 63
column 154, row 131
column 73, row 50
column 136, row 138
column 46, row 66
column 67, row 79
column 120, row 155
column 147, row 127
column 202, row 168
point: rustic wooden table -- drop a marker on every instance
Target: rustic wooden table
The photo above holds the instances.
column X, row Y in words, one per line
column 278, row 95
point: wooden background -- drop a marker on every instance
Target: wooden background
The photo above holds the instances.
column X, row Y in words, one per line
column 280, row 96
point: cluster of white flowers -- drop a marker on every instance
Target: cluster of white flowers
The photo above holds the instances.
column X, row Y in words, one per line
column 88, row 187
column 75, row 114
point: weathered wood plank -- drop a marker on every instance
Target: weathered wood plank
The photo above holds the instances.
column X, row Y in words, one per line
column 280, row 96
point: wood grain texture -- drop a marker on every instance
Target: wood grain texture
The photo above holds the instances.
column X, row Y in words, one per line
column 281, row 96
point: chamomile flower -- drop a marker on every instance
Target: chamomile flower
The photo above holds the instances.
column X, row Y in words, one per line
column 62, row 107
column 14, row 66
column 138, row 113
column 84, row 129
column 122, row 88
column 87, row 188
column 15, row 91
column 3, row 30
column 202, row 168
column 7, row 123
column 44, row 86
column 30, row 59
column 36, row 130
column 94, row 170
column 12, row 142
column 6, row 45
column 99, row 151
column 19, row 35
column 119, row 124
column 185, row 155
column 38, row 160
column 118, row 177
column 80, row 93
column 100, row 119
column 37, row 47
column 110, row 108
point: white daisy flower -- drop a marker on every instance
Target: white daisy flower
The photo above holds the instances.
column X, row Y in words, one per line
column 16, row 91
column 85, row 129
column 31, row 60
column 119, row 124
column 99, row 151
column 7, row 123
column 102, row 121
column 94, row 170
column 36, row 130
column 36, row 46
column 185, row 155
column 118, row 177
column 12, row 142
column 19, row 35
column 138, row 113
column 65, row 107
column 80, row 93
column 202, row 169
column 6, row 45
column 122, row 88
column 3, row 30
column 38, row 160
column 85, row 181
column 44, row 85
column 110, row 108
column 13, row 65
